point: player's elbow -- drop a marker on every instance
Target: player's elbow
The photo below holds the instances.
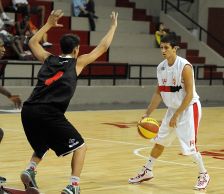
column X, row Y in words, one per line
column 33, row 44
column 190, row 95
column 104, row 45
column 30, row 43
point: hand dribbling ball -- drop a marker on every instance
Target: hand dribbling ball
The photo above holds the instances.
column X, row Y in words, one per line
column 148, row 127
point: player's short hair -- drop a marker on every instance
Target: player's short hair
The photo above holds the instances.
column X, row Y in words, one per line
column 68, row 42
column 170, row 38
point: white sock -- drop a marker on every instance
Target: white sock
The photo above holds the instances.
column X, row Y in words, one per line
column 198, row 159
column 150, row 163
column 32, row 165
column 74, row 180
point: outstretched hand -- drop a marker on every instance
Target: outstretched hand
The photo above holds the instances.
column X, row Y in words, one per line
column 114, row 18
column 54, row 17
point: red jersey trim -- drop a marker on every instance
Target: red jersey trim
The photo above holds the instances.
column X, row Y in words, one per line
column 170, row 88
column 51, row 80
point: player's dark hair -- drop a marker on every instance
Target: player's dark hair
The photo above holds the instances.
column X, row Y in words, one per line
column 170, row 38
column 68, row 42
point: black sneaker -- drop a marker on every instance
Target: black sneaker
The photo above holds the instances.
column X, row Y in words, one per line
column 2, row 180
column 28, row 178
column 70, row 189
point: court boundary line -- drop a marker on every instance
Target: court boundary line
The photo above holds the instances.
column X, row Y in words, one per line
column 136, row 152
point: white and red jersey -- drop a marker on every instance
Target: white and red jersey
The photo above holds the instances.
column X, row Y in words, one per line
column 171, row 83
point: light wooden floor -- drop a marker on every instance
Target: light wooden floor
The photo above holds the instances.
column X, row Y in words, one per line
column 115, row 154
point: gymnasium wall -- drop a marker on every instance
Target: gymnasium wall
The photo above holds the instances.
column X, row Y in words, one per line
column 190, row 9
column 98, row 95
column 198, row 11
column 153, row 7
column 212, row 57
column 203, row 12
column 215, row 27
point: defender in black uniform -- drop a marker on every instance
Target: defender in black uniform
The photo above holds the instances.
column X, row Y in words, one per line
column 43, row 113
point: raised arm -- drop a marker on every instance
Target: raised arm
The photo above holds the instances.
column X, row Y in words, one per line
column 102, row 47
column 38, row 51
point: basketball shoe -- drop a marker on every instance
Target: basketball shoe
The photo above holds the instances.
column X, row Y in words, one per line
column 2, row 180
column 144, row 175
column 70, row 189
column 202, row 182
column 28, row 179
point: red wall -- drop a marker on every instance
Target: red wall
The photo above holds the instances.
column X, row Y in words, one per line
column 216, row 28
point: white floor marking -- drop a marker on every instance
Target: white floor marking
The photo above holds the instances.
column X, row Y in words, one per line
column 136, row 151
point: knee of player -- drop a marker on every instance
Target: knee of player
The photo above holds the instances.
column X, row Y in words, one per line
column 84, row 147
column 38, row 155
column 81, row 150
column 159, row 147
column 1, row 134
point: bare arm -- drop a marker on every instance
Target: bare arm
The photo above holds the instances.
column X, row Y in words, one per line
column 187, row 75
column 14, row 98
column 104, row 44
column 5, row 92
column 155, row 102
column 39, row 52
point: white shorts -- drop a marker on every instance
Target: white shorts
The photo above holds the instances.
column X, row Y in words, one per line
column 186, row 130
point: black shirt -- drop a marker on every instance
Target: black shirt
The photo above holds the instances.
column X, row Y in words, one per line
column 56, row 84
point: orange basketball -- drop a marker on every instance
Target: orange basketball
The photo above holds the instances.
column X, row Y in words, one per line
column 148, row 127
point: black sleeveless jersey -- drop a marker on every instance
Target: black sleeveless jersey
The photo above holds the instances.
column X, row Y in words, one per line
column 56, row 83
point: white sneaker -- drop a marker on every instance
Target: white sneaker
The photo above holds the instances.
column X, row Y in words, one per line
column 144, row 175
column 47, row 44
column 202, row 182
column 27, row 52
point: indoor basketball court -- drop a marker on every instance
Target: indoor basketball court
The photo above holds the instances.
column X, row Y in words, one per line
column 115, row 153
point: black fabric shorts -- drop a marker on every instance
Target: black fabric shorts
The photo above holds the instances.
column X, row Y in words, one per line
column 47, row 128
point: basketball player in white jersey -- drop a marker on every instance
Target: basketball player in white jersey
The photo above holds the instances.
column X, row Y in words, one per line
column 176, row 88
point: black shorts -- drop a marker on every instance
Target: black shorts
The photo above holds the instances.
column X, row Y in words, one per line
column 47, row 128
